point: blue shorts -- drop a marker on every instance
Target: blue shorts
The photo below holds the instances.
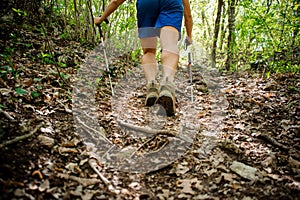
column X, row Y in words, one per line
column 155, row 14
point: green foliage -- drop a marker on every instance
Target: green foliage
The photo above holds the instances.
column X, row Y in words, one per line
column 64, row 75
column 136, row 55
column 264, row 30
column 6, row 56
column 7, row 70
column 62, row 65
column 46, row 58
column 35, row 94
column 20, row 12
column 269, row 33
column 4, row 70
column 2, row 106
column 20, row 91
column 64, row 35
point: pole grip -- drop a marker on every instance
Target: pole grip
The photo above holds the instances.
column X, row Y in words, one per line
column 100, row 31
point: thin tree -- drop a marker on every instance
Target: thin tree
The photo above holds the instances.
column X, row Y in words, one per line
column 231, row 33
column 76, row 13
column 216, row 32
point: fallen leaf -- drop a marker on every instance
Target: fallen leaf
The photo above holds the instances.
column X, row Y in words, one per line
column 268, row 161
column 84, row 181
column 135, row 185
column 47, row 130
column 44, row 186
column 181, row 169
column 38, row 173
column 73, row 167
column 210, row 172
column 239, row 126
column 186, row 185
column 228, row 177
column 88, row 194
column 204, row 197
column 67, row 150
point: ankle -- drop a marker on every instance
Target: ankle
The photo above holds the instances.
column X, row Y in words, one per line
column 167, row 79
column 150, row 82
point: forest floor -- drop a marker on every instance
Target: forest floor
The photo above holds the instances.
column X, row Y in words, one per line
column 65, row 136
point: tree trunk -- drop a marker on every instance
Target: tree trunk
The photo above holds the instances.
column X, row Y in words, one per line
column 216, row 33
column 65, row 14
column 76, row 19
column 231, row 34
column 223, row 29
column 93, row 29
column 295, row 42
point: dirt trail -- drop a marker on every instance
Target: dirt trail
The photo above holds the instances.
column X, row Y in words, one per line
column 239, row 139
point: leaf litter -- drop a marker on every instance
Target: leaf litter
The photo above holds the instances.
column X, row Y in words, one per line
column 246, row 144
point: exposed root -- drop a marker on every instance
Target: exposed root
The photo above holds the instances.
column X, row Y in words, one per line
column 94, row 166
column 145, row 129
column 94, row 130
column 8, row 116
column 83, row 181
column 22, row 137
column 273, row 142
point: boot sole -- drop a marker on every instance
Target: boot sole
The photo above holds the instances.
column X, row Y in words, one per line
column 151, row 101
column 167, row 103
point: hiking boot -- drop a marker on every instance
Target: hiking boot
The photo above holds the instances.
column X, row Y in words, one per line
column 166, row 97
column 152, row 93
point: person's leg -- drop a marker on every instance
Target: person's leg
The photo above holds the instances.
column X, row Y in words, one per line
column 150, row 67
column 149, row 62
column 147, row 13
column 170, row 54
column 169, row 57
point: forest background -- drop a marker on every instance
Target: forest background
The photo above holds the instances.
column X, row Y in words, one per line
column 247, row 110
column 237, row 34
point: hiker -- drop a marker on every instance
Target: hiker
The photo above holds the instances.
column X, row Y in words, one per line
column 163, row 19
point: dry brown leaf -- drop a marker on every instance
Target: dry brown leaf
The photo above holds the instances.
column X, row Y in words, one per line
column 186, row 185
column 38, row 173
column 44, row 186
column 83, row 181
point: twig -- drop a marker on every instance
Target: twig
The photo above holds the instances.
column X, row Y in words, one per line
column 22, row 137
column 94, row 130
column 94, row 165
column 8, row 116
column 146, row 130
column 274, row 142
column 149, row 140
column 83, row 181
column 145, row 144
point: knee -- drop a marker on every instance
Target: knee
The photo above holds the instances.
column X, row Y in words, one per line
column 149, row 51
column 171, row 50
column 169, row 46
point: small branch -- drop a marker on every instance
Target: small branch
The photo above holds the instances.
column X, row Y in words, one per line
column 94, row 130
column 83, row 181
column 22, row 137
column 274, row 142
column 94, row 166
column 8, row 116
column 149, row 140
column 145, row 129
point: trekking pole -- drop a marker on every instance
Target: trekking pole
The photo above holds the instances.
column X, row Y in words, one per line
column 105, row 56
column 190, row 69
